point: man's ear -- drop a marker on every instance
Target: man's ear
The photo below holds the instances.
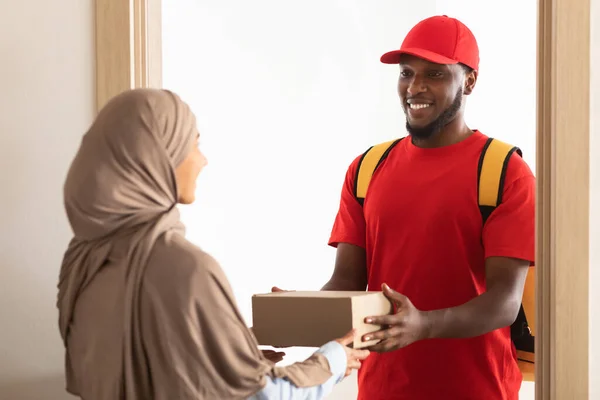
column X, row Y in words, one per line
column 470, row 81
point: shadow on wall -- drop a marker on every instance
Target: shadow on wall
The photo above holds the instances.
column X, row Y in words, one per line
column 44, row 388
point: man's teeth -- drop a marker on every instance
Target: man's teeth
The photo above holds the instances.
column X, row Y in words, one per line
column 418, row 106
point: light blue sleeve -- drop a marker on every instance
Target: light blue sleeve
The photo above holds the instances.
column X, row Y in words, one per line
column 282, row 389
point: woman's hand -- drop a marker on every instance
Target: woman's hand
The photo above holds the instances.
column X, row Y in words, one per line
column 354, row 357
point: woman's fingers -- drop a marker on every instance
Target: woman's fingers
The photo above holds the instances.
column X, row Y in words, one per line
column 354, row 356
column 360, row 354
column 347, row 338
column 354, row 364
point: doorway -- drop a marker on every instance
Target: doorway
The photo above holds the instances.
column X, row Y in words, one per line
column 130, row 54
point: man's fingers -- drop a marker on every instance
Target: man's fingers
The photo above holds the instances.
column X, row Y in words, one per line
column 273, row 356
column 354, row 364
column 275, row 289
column 391, row 294
column 378, row 348
column 383, row 334
column 273, row 352
column 384, row 346
column 391, row 319
column 390, row 344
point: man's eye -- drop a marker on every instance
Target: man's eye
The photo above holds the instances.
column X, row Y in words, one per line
column 435, row 74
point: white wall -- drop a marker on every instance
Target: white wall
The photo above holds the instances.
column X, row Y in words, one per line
column 594, row 202
column 503, row 104
column 47, row 102
column 285, row 100
column 287, row 95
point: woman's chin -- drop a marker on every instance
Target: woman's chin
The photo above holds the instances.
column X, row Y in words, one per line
column 187, row 199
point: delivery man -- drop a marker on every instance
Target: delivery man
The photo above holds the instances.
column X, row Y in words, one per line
column 453, row 266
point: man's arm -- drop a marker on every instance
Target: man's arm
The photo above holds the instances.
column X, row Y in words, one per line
column 496, row 308
column 350, row 270
column 348, row 235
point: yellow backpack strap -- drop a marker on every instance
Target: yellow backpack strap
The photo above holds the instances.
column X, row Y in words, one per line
column 491, row 173
column 368, row 163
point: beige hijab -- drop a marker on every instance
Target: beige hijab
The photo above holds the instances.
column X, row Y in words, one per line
column 121, row 187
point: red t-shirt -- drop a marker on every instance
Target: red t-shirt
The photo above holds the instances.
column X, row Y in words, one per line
column 423, row 234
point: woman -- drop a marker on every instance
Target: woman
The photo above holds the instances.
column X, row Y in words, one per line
column 145, row 314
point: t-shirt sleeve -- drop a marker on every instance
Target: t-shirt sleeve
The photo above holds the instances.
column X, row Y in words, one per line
column 349, row 225
column 510, row 229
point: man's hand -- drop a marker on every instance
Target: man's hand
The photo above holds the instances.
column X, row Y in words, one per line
column 406, row 326
column 273, row 356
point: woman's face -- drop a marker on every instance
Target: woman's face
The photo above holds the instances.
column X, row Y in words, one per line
column 187, row 173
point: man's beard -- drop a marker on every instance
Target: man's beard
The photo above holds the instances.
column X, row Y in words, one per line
column 439, row 123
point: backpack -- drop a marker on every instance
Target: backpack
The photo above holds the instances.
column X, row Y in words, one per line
column 491, row 170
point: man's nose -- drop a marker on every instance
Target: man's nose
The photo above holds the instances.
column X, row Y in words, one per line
column 416, row 86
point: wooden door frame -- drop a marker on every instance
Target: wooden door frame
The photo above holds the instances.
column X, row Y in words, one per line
column 563, row 192
column 128, row 46
column 128, row 50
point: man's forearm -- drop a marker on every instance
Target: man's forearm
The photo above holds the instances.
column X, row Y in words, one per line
column 485, row 313
column 343, row 285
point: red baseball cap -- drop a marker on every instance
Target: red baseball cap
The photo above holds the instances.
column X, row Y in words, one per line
column 441, row 40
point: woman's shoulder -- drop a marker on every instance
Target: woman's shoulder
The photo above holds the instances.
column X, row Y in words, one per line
column 176, row 263
column 174, row 246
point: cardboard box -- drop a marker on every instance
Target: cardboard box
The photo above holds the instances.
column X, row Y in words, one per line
column 313, row 318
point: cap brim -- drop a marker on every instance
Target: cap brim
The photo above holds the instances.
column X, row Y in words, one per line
column 393, row 57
